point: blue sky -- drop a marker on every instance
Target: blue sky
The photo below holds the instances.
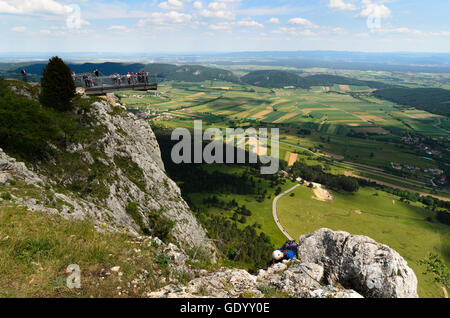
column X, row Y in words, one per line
column 223, row 25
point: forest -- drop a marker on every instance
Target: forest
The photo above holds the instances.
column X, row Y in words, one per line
column 280, row 79
column 316, row 174
column 433, row 100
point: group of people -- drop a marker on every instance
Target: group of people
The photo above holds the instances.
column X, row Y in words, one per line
column 88, row 81
column 135, row 78
column 130, row 78
column 89, row 78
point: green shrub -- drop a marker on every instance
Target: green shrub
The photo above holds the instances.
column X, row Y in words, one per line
column 132, row 211
column 132, row 171
column 163, row 260
column 58, row 87
column 6, row 196
column 160, row 226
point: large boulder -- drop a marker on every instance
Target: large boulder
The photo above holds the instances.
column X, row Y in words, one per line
column 358, row 262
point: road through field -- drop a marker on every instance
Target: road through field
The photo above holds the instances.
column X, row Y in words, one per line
column 274, row 211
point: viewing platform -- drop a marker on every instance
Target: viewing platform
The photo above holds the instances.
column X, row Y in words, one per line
column 103, row 84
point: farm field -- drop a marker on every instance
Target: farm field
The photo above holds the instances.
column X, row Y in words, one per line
column 375, row 214
column 332, row 115
column 326, row 111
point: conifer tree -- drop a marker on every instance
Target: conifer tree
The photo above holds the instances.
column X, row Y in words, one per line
column 58, row 87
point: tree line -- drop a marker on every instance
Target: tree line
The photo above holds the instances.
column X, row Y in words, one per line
column 316, row 174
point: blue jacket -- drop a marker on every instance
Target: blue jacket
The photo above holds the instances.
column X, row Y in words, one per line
column 288, row 254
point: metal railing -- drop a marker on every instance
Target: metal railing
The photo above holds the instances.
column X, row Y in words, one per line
column 101, row 84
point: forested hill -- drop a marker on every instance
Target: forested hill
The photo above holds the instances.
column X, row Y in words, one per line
column 280, row 79
column 274, row 79
column 189, row 73
column 329, row 80
column 433, row 100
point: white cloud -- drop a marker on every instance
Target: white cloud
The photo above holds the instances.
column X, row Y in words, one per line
column 293, row 31
column 339, row 31
column 303, row 22
column 249, row 23
column 341, row 5
column 19, row 29
column 217, row 5
column 34, row 7
column 222, row 26
column 168, row 18
column 372, row 10
column 118, row 28
column 198, row 5
column 171, row 5
column 274, row 20
column 220, row 14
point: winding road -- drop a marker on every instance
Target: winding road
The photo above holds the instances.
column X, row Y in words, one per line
column 274, row 211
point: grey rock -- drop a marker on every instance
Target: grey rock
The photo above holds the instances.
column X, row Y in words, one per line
column 359, row 263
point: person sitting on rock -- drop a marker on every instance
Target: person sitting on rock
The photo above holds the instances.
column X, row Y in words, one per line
column 287, row 252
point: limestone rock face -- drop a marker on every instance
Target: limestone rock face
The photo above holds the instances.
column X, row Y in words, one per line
column 360, row 263
column 9, row 168
column 133, row 141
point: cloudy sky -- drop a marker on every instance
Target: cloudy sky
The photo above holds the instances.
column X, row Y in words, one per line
column 223, row 25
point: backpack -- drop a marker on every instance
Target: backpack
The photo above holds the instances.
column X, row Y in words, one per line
column 290, row 246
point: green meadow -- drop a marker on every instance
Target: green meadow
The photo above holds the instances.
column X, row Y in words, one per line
column 410, row 229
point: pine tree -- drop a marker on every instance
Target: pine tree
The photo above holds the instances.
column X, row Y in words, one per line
column 58, row 87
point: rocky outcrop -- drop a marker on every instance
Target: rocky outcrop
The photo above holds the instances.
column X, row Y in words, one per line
column 128, row 151
column 332, row 265
column 10, row 168
column 360, row 263
column 280, row 280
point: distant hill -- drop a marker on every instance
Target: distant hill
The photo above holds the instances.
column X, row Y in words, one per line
column 433, row 100
column 274, row 79
column 329, row 80
column 280, row 79
column 188, row 73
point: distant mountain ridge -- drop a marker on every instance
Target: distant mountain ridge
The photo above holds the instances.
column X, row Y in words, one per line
column 188, row 73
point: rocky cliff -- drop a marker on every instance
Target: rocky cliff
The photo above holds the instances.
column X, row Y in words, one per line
column 136, row 194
